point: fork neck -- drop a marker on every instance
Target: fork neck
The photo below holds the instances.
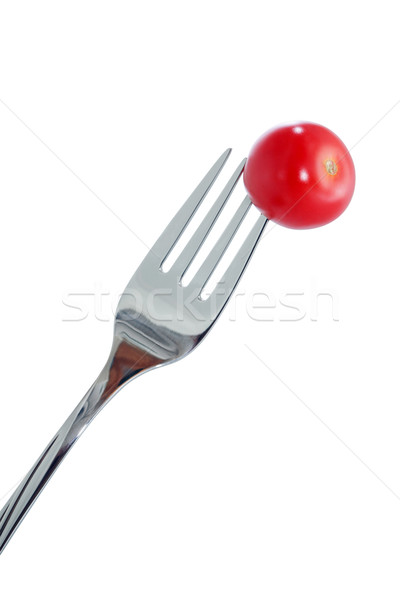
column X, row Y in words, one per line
column 124, row 363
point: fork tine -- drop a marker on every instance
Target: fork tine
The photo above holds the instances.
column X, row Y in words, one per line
column 221, row 294
column 176, row 227
column 187, row 255
column 208, row 267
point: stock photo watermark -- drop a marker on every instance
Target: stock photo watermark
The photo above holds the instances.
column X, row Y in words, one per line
column 292, row 305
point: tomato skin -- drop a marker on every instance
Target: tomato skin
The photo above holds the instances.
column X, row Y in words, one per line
column 300, row 175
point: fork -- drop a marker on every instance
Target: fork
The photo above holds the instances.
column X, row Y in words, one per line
column 158, row 321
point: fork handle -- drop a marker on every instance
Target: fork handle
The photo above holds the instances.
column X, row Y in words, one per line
column 35, row 480
column 120, row 368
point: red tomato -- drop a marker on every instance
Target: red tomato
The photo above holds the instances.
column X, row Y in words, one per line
column 300, row 175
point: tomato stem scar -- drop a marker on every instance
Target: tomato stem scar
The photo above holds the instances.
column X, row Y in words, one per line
column 331, row 167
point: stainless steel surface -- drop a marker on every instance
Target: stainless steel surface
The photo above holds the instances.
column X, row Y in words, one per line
column 158, row 321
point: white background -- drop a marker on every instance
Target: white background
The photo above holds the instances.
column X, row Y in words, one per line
column 266, row 464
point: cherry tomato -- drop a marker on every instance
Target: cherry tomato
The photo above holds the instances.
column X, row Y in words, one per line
column 300, row 175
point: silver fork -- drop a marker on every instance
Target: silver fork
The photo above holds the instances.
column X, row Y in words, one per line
column 158, row 321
